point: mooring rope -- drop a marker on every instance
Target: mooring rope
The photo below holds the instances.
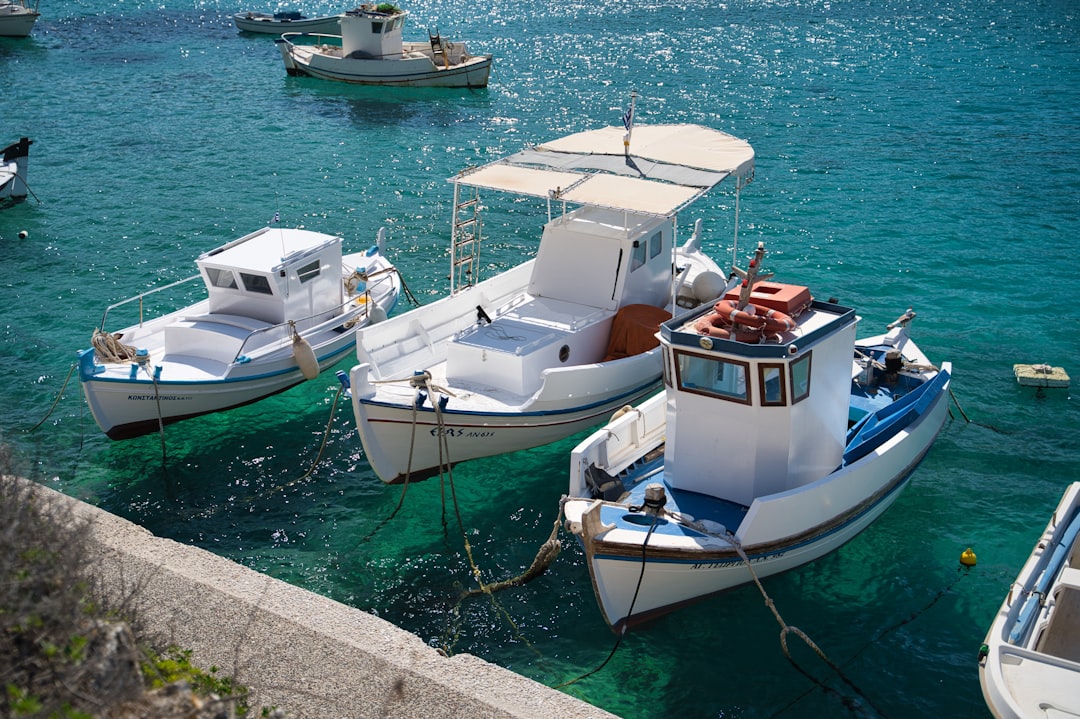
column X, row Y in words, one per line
column 322, row 446
column 109, row 349
column 548, row 551
column 629, row 612
column 57, row 399
column 786, row 629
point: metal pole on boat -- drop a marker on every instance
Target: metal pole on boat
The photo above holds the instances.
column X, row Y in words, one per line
column 453, row 237
column 735, row 241
column 628, row 123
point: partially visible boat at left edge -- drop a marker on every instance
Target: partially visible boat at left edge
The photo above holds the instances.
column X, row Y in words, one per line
column 13, row 171
column 1029, row 665
column 282, row 305
column 17, row 18
column 369, row 50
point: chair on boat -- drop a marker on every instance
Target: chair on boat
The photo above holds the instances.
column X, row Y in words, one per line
column 438, row 49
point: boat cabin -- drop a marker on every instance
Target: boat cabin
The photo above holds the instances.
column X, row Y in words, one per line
column 275, row 275
column 591, row 263
column 368, row 34
column 746, row 420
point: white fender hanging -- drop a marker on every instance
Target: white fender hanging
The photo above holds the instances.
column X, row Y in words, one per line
column 304, row 356
column 376, row 314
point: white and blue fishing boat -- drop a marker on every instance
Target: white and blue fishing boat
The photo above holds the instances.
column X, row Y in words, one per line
column 557, row 343
column 280, row 306
column 1029, row 665
column 779, row 437
column 13, row 169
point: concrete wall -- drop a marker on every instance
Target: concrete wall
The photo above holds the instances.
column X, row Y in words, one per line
column 301, row 652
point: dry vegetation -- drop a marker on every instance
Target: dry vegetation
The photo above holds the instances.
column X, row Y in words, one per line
column 65, row 650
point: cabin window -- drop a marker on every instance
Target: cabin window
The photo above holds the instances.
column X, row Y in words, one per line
column 656, row 243
column 800, row 379
column 771, row 381
column 638, row 258
column 309, row 271
column 221, row 278
column 712, row 376
column 256, row 283
column 376, row 27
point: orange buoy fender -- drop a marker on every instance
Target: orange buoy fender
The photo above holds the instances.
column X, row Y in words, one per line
column 305, row 357
column 729, row 310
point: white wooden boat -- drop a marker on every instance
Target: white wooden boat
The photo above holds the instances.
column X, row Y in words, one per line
column 776, row 440
column 555, row 344
column 279, row 23
column 1029, row 665
column 17, row 18
column 369, row 50
column 13, row 169
column 281, row 306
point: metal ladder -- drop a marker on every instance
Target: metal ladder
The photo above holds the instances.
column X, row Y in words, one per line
column 465, row 240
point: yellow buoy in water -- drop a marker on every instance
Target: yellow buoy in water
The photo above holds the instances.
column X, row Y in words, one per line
column 305, row 356
column 967, row 557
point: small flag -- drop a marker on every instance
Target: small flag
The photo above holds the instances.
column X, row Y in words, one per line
column 628, row 117
column 277, row 217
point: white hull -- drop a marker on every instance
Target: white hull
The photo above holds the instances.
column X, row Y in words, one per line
column 267, row 24
column 14, row 162
column 124, row 407
column 1030, row 663
column 390, row 432
column 830, row 512
column 416, row 69
column 197, row 362
column 16, row 19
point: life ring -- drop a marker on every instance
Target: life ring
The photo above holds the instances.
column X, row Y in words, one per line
column 729, row 310
column 756, row 316
column 716, row 325
column 777, row 322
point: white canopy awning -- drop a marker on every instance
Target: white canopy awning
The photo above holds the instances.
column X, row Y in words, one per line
column 667, row 168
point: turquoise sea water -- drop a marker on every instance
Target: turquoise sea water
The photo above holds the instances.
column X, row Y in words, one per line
column 909, row 153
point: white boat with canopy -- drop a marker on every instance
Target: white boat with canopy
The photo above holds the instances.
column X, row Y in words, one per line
column 554, row 345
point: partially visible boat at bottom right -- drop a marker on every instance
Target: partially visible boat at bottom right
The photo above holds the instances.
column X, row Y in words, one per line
column 1029, row 664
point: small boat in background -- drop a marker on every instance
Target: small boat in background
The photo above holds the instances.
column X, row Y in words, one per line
column 17, row 18
column 13, row 169
column 282, row 305
column 1029, row 665
column 282, row 22
column 369, row 50
column 778, row 438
